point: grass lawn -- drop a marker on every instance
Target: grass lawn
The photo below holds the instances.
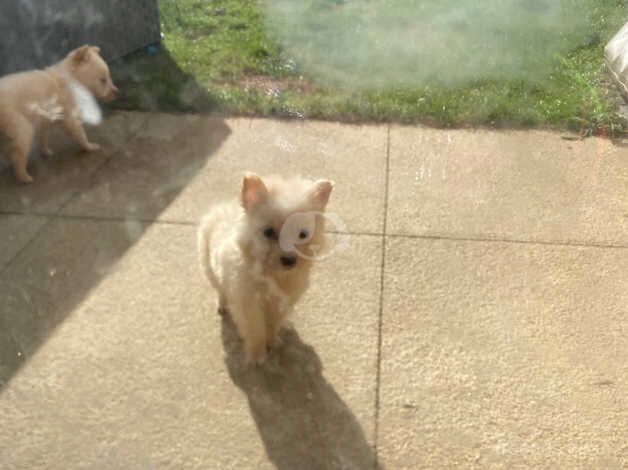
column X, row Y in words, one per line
column 233, row 57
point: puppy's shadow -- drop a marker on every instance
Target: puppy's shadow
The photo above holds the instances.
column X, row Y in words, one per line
column 302, row 421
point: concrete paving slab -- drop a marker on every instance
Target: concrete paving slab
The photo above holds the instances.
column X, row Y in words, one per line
column 502, row 355
column 352, row 156
column 530, row 185
column 142, row 372
column 59, row 177
column 15, row 232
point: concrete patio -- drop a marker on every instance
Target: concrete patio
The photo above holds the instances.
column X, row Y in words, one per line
column 477, row 319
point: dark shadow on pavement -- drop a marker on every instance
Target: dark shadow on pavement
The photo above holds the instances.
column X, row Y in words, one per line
column 302, row 421
column 114, row 196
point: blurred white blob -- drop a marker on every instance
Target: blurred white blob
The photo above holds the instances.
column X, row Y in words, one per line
column 298, row 230
column 50, row 110
column 88, row 109
column 299, row 224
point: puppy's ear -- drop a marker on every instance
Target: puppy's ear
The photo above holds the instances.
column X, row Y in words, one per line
column 96, row 49
column 254, row 191
column 319, row 194
column 80, row 55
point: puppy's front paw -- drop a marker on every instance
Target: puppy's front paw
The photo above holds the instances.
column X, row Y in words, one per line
column 275, row 342
column 221, row 306
column 91, row 147
column 25, row 178
column 256, row 353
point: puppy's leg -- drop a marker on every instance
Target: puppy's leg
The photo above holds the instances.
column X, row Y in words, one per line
column 221, row 304
column 273, row 327
column 21, row 135
column 251, row 325
column 75, row 128
column 203, row 248
column 19, row 157
column 43, row 141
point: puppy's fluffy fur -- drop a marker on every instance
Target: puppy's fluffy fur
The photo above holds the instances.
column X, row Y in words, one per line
column 251, row 252
column 36, row 99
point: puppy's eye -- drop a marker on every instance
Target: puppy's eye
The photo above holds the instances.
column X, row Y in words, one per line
column 103, row 80
column 303, row 234
column 269, row 232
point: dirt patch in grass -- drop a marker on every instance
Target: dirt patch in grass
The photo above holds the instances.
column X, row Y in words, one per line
column 274, row 86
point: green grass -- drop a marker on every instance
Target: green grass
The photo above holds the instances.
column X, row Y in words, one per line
column 221, row 56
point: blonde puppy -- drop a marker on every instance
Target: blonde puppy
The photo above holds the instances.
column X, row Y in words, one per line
column 61, row 93
column 257, row 253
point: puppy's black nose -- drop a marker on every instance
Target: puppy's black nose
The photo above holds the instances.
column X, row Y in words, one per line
column 288, row 261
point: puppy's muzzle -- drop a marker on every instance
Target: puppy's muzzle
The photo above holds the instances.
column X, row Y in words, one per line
column 113, row 93
column 288, row 261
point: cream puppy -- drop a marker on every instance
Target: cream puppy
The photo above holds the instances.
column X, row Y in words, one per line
column 255, row 253
column 61, row 93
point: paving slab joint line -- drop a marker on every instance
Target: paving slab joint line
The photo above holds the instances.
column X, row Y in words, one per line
column 408, row 236
column 381, row 298
column 513, row 241
column 7, row 263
